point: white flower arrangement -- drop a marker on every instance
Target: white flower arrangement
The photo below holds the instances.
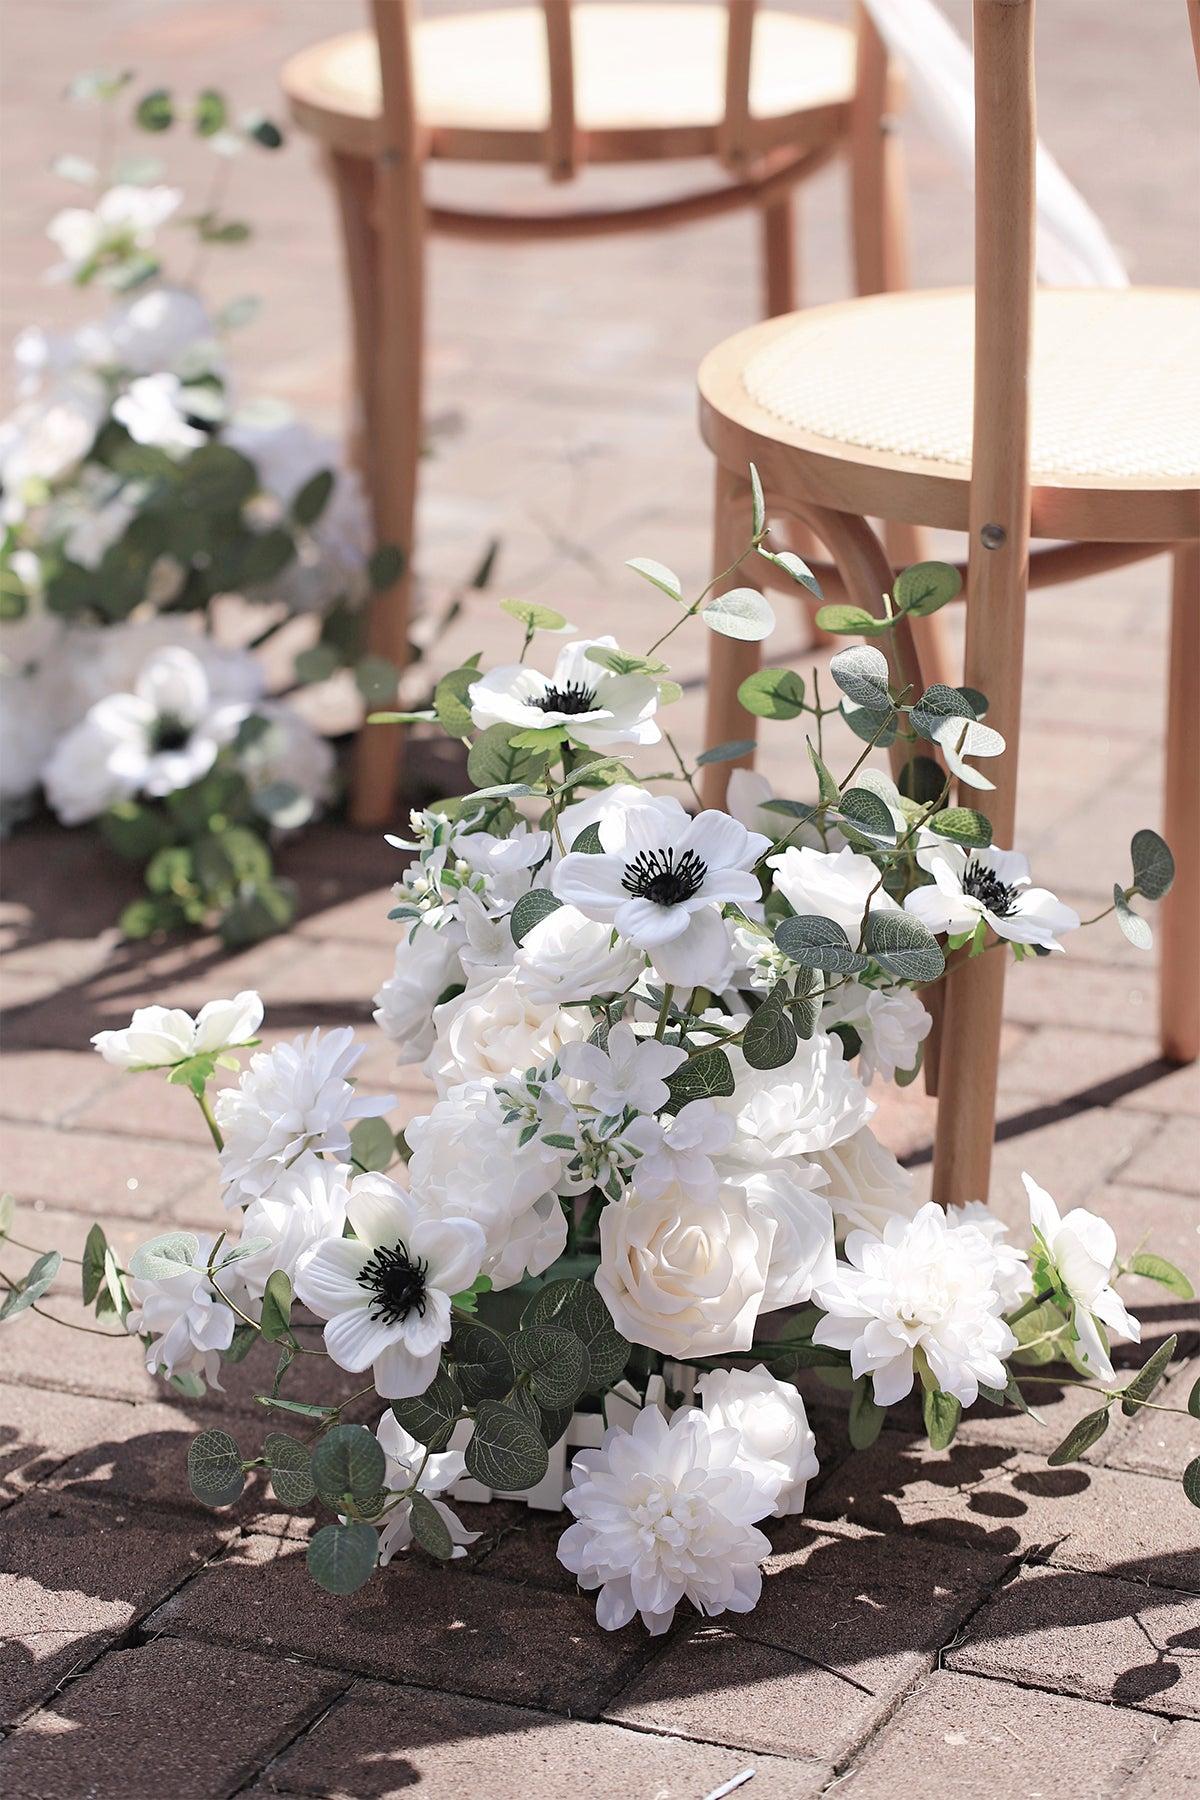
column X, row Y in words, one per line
column 646, row 1196
column 138, row 488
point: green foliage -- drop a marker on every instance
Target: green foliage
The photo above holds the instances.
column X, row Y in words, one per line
column 431, row 1417
column 215, row 1472
column 342, row 1558
column 429, row 1528
column 742, row 613
column 276, row 1318
column 1191, row 1481
column 706, row 1076
column 30, row 1290
column 494, row 761
column 728, row 752
column 903, row 947
column 866, row 1417
column 287, row 1461
column 1148, row 1377
column 1157, row 1268
column 925, row 587
column 1132, row 924
column 1080, row 1438
column 556, row 1362
column 506, row 1451
column 658, row 574
column 372, row 1144
column 529, row 911
column 770, row 1040
column 850, row 621
column 1153, row 865
column 815, row 942
column 773, row 694
column 482, row 1362
column 962, row 826
column 862, row 674
column 941, row 1413
column 348, row 1465
column 577, row 1306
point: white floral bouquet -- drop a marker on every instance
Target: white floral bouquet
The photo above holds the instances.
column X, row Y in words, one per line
column 137, row 490
column 646, row 1200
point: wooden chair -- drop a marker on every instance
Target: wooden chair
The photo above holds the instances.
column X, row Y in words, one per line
column 1085, row 427
column 561, row 83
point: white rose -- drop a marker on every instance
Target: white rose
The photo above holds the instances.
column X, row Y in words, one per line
column 832, row 885
column 802, row 1252
column 777, row 1447
column 466, row 1162
column 684, row 1275
column 812, row 1102
column 497, row 1030
column 425, row 966
column 867, row 1186
column 892, row 1024
column 567, row 957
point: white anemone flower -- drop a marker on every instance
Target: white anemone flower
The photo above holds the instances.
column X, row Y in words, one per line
column 842, row 885
column 664, row 1513
column 409, row 1464
column 153, row 410
column 293, row 1098
column 629, row 1071
column 385, row 1293
column 157, row 1037
column 161, row 737
column 660, row 881
column 187, row 1323
column 1081, row 1252
column 927, row 1287
column 594, row 705
column 776, row 1445
column 989, row 886
column 123, row 220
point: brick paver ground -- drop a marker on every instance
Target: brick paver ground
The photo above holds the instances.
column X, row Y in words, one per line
column 963, row 1624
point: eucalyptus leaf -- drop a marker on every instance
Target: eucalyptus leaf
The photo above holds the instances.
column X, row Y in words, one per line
column 214, row 1465
column 1191, row 1481
column 164, row 1257
column 34, row 1285
column 505, row 1451
column 483, row 1366
column 815, row 942
column 451, row 701
column 728, row 752
column 773, row 694
column 867, row 814
column 287, row 1462
column 902, row 946
column 555, row 1360
column 348, row 1461
column 534, row 618
column 429, row 1528
column 962, row 826
column 658, row 573
column 529, row 911
column 850, row 621
column 372, row 1144
column 792, row 565
column 861, row 672
column 431, row 1417
column 276, row 1314
column 925, row 587
column 92, row 1268
column 758, row 508
column 1153, row 864
column 769, row 1040
column 742, row 613
column 342, row 1558
column 1081, row 1437
column 578, row 1306
column 1132, row 924
column 707, row 1076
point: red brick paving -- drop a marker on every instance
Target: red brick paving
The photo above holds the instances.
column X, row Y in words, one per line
column 951, row 1623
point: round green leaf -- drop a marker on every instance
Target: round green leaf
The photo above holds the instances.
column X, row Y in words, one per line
column 867, row 814
column 1191, row 1481
column 815, row 942
column 34, row 1285
column 578, row 1306
column 773, row 694
column 941, row 1413
column 903, row 946
column 861, row 672
column 793, row 565
column 348, row 1460
column 431, row 1417
column 850, row 621
column 534, row 618
column 728, row 752
column 657, row 573
column 451, row 703
column 505, row 1451
column 770, row 1038
column 555, row 1360
column 288, row 1467
column 483, row 1367
column 963, row 826
column 312, row 499
column 925, row 587
column 165, row 1256
column 1132, row 924
column 529, row 911
column 741, row 613
column 707, row 1076
column 429, row 1528
column 341, row 1558
column 1153, row 864
column 373, row 1144
column 215, row 1473
column 154, row 111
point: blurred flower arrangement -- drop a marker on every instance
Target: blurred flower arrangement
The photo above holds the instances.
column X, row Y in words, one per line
column 137, row 491
column 646, row 1201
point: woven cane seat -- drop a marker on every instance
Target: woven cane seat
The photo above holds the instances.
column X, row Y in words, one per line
column 869, row 404
column 649, row 81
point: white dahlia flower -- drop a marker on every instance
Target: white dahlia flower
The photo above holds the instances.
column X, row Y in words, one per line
column 927, row 1287
column 1014, row 1277
column 306, row 1205
column 664, row 1513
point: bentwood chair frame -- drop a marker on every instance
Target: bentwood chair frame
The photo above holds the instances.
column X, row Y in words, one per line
column 835, row 495
column 377, row 164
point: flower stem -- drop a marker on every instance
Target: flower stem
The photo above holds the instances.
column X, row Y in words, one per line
column 663, row 1011
column 214, row 1130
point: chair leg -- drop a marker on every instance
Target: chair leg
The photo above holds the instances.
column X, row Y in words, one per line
column 383, row 239
column 779, row 256
column 1179, row 971
column 730, row 660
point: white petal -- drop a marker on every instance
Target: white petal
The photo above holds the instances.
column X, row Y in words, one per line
column 355, row 1340
column 327, row 1277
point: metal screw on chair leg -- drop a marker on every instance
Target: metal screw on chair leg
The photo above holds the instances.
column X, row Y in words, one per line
column 992, row 536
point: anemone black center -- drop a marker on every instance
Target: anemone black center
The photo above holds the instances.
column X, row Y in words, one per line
column 655, row 875
column 576, row 697
column 397, row 1282
column 169, row 733
column 983, row 884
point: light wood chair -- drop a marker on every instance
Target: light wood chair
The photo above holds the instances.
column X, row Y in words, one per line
column 770, row 95
column 1080, row 424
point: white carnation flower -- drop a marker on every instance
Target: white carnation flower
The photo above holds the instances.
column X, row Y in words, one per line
column 466, row 1162
column 306, row 1205
column 179, row 1311
column 123, row 220
column 988, row 886
column 1080, row 1249
column 157, row 1037
column 776, row 1446
column 386, row 1292
column 814, row 1101
column 630, row 1071
column 293, row 1098
column 660, row 881
column 926, row 1288
column 891, row 1022
column 494, row 1031
column 866, row 1184
column 663, row 1513
column 410, row 1464
column 426, row 964
column 593, row 704
column 567, row 957
column 841, row 885
column 1014, row 1277
column 686, row 1274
